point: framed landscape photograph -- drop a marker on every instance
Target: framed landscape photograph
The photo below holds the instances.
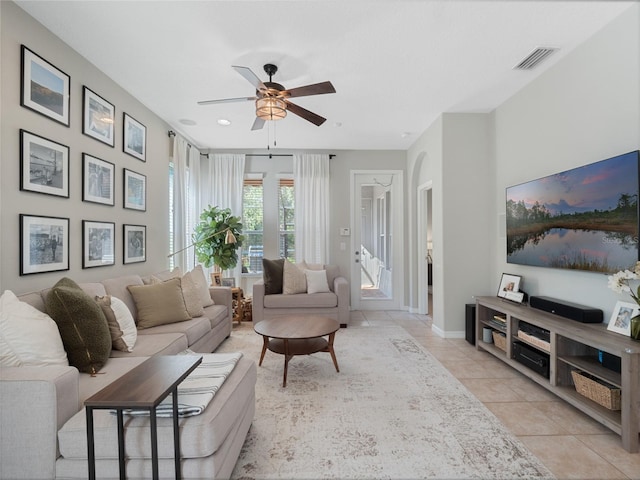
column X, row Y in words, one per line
column 44, row 244
column 135, row 138
column 135, row 243
column 98, row 117
column 44, row 165
column 44, row 88
column 135, row 190
column 229, row 282
column 620, row 321
column 509, row 284
column 97, row 180
column 98, row 244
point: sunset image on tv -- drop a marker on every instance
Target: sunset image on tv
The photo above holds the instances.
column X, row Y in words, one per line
column 584, row 219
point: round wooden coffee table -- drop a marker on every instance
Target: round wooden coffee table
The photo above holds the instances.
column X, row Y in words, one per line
column 297, row 335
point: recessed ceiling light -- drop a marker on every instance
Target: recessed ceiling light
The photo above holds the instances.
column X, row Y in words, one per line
column 406, row 134
column 337, row 124
column 186, row 121
column 224, row 122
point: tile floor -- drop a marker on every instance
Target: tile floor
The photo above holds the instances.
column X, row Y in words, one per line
column 569, row 443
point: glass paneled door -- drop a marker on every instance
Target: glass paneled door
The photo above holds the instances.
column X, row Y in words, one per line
column 376, row 227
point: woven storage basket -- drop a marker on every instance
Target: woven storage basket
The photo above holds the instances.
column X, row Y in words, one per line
column 596, row 390
column 500, row 340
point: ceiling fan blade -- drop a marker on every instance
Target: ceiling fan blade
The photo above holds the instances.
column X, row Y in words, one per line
column 306, row 114
column 315, row 89
column 257, row 124
column 226, row 100
column 253, row 79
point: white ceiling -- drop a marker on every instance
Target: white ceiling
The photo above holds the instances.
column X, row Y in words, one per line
column 396, row 64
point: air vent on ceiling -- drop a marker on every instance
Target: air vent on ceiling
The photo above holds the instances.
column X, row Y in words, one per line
column 534, row 58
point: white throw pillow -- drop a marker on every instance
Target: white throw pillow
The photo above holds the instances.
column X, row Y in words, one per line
column 28, row 337
column 197, row 275
column 317, row 281
column 122, row 326
column 293, row 279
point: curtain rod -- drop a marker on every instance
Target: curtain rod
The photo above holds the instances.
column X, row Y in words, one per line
column 270, row 155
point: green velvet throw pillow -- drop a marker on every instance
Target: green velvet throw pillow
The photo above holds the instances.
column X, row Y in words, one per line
column 272, row 272
column 82, row 325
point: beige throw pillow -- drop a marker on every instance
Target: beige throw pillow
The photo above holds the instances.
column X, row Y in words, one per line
column 189, row 293
column 198, row 277
column 121, row 324
column 160, row 303
column 293, row 279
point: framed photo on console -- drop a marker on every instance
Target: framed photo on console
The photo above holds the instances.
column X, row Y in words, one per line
column 44, row 88
column 44, row 165
column 98, row 244
column 509, row 288
column 620, row 321
column 44, row 244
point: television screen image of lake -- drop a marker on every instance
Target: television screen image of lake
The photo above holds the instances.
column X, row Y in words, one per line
column 592, row 250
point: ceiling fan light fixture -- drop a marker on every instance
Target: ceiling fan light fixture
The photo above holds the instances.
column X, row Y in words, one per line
column 271, row 108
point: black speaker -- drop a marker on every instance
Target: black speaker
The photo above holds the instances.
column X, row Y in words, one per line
column 573, row 311
column 470, row 323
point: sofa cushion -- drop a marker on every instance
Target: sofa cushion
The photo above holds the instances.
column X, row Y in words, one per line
column 117, row 287
column 28, row 337
column 194, row 329
column 121, row 324
column 82, row 325
column 316, row 281
column 272, row 271
column 159, row 303
column 301, row 300
column 293, row 279
column 156, row 344
column 216, row 314
column 200, row 435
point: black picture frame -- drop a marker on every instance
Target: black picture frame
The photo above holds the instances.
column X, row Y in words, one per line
column 44, row 165
column 98, row 180
column 134, row 239
column 44, row 88
column 509, row 284
column 98, row 117
column 135, row 190
column 44, row 244
column 134, row 138
column 98, row 244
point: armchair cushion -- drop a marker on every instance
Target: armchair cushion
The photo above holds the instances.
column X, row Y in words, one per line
column 316, row 281
column 272, row 272
column 293, row 279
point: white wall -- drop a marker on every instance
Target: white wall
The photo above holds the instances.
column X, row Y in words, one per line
column 19, row 28
column 584, row 109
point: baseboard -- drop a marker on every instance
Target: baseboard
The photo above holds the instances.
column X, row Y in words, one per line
column 444, row 334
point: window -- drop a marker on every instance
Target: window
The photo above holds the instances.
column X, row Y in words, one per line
column 286, row 219
column 252, row 225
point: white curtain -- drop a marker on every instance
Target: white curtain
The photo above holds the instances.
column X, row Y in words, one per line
column 186, row 201
column 180, row 202
column 222, row 186
column 311, row 186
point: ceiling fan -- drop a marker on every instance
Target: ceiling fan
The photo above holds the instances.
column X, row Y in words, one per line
column 272, row 99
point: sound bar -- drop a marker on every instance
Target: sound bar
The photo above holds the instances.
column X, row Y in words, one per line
column 573, row 311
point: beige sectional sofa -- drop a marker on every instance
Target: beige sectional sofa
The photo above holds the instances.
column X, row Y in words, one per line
column 43, row 434
column 271, row 299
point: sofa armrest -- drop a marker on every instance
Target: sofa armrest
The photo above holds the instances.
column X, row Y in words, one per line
column 257, row 306
column 34, row 403
column 341, row 289
column 222, row 296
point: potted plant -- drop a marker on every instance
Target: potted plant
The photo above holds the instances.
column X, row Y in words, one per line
column 217, row 238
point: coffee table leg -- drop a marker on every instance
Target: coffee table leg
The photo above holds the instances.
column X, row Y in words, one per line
column 264, row 349
column 287, row 357
column 333, row 354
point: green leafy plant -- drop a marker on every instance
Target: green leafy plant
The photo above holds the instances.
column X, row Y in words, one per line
column 213, row 238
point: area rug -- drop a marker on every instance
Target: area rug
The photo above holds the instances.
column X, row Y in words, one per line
column 392, row 412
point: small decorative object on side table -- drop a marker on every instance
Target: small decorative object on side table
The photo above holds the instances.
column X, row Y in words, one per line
column 238, row 304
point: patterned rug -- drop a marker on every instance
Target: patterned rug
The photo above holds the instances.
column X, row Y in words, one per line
column 392, row 412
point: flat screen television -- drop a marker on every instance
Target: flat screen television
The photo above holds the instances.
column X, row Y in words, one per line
column 585, row 218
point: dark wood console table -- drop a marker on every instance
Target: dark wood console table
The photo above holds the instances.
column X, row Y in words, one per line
column 143, row 388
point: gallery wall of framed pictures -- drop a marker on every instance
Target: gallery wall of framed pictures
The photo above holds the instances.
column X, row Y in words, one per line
column 51, row 165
